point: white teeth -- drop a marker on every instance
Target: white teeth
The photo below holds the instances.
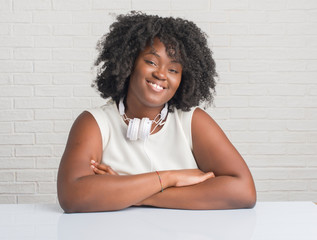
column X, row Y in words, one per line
column 156, row 86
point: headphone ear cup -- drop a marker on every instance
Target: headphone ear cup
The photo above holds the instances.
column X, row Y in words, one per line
column 145, row 128
column 133, row 129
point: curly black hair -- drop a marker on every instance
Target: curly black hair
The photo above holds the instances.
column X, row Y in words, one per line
column 183, row 40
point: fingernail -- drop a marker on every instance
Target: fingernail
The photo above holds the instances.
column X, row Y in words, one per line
column 92, row 166
column 92, row 161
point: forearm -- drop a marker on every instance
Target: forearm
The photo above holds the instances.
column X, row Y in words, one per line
column 107, row 192
column 224, row 192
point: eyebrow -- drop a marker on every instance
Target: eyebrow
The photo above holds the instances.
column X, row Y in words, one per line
column 153, row 52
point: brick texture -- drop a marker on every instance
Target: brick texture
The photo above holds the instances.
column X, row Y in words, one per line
column 266, row 55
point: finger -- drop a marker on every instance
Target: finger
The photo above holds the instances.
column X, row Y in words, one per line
column 113, row 172
column 98, row 171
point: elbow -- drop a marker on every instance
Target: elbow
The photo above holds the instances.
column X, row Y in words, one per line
column 248, row 197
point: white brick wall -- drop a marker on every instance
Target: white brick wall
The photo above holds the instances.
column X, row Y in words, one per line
column 266, row 54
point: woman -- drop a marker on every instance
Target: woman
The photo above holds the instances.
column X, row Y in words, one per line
column 150, row 144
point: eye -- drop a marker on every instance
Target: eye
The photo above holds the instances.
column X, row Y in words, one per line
column 150, row 62
column 173, row 71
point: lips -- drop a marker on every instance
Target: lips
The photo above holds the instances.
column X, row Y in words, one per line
column 156, row 86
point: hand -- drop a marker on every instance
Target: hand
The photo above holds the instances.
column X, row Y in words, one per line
column 190, row 177
column 101, row 169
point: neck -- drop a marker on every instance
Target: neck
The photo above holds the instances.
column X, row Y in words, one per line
column 135, row 109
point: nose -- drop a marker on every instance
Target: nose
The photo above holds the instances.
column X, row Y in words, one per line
column 159, row 74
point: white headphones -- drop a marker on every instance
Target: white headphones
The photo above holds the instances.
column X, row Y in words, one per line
column 141, row 128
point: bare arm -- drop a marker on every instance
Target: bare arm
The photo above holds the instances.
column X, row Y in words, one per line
column 81, row 190
column 233, row 185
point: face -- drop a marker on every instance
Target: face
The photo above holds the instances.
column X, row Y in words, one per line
column 155, row 77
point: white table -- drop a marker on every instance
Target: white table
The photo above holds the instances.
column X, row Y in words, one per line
column 268, row 220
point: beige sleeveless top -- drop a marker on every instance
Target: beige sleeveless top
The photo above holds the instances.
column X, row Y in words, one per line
column 168, row 149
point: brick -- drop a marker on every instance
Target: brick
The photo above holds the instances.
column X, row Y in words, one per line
column 227, row 53
column 71, row 54
column 12, row 115
column 16, row 163
column 33, row 151
column 313, row 185
column 32, row 5
column 299, row 101
column 219, row 41
column 52, row 17
column 85, row 91
column 85, row 42
column 286, row 113
column 31, row 30
column 48, row 163
column 226, row 28
column 13, row 41
column 267, row 125
column 6, row 176
column 267, row 5
column 6, row 103
column 231, row 101
column 33, row 103
column 248, row 90
column 302, row 125
column 222, row 66
column 305, row 4
column 72, row 79
column 249, row 137
column 6, row 5
column 287, row 137
column 233, row 78
column 16, row 67
column 182, row 5
column 92, row 17
column 248, row 113
column 47, row 187
column 281, row 41
column 263, row 53
column 34, row 175
column 7, row 199
column 17, row 188
column 248, row 66
column 42, row 199
column 5, row 54
column 229, row 4
column 32, row 79
column 304, row 173
column 33, row 126
column 150, row 5
column 16, row 91
column 312, row 66
column 248, row 16
column 267, row 149
column 272, row 196
column 301, row 28
column 109, row 4
column 248, row 41
column 287, row 90
column 273, row 28
column 72, row 103
column 270, row 174
column 6, row 152
column 267, row 101
column 71, row 30
column 21, row 17
column 72, row 5
column 51, row 138
column 16, row 139
column 52, row 67
column 62, row 126
column 288, row 16
column 52, row 91
column 262, row 161
column 53, row 41
column 82, row 67
column 303, row 196
column 29, row 54
column 6, row 127
column 299, row 149
column 235, row 125
column 99, row 29
column 5, row 79
column 53, row 114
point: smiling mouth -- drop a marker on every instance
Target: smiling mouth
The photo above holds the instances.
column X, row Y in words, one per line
column 154, row 85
